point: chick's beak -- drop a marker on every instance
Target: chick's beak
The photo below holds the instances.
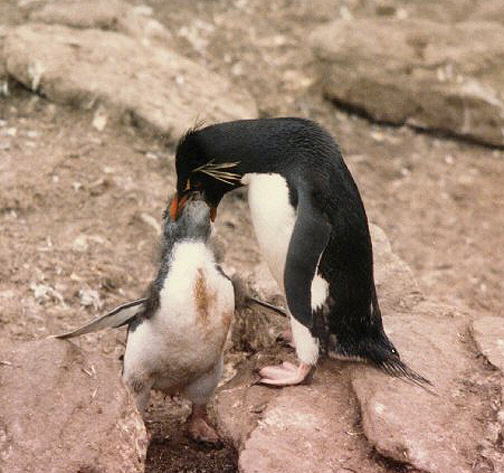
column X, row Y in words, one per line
column 177, row 205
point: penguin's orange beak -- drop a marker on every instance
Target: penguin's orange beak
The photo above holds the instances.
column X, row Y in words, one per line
column 177, row 205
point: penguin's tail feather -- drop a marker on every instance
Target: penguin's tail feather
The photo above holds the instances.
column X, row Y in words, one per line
column 118, row 317
column 399, row 369
column 381, row 354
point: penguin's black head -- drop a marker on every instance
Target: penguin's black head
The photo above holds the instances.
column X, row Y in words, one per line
column 198, row 170
column 193, row 221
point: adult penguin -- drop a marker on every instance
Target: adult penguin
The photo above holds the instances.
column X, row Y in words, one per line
column 312, row 228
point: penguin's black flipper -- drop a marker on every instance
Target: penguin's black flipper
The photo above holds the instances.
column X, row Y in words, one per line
column 118, row 317
column 309, row 239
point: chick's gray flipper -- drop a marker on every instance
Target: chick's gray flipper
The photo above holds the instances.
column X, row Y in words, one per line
column 121, row 315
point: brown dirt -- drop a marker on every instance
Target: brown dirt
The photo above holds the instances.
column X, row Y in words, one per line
column 74, row 201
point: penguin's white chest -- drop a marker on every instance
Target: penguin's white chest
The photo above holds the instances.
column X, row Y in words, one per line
column 273, row 217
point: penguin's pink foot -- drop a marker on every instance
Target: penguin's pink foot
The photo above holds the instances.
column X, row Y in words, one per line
column 200, row 430
column 287, row 338
column 286, row 374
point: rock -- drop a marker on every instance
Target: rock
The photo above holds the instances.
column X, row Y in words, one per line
column 434, row 433
column 239, row 404
column 437, row 10
column 404, row 293
column 488, row 10
column 362, row 410
column 3, row 61
column 264, row 283
column 256, row 329
column 304, row 428
column 64, row 410
column 155, row 86
column 488, row 332
column 93, row 14
column 110, row 15
column 425, row 74
column 444, row 11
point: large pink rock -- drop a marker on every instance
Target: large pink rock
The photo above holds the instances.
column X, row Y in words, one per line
column 148, row 83
column 488, row 333
column 426, row 74
column 110, row 15
column 436, row 431
column 64, row 410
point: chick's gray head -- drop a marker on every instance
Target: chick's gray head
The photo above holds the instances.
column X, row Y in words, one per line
column 192, row 220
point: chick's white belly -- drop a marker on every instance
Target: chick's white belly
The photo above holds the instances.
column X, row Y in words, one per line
column 184, row 339
column 273, row 218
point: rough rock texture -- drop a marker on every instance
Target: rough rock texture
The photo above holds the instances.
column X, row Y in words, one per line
column 264, row 283
column 362, row 410
column 3, row 65
column 417, row 72
column 113, row 15
column 256, row 328
column 404, row 292
column 64, row 410
column 3, row 74
column 438, row 10
column 155, row 86
column 488, row 332
column 488, row 10
column 433, row 433
column 303, row 428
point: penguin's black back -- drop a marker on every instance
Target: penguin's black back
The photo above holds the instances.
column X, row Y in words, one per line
column 263, row 144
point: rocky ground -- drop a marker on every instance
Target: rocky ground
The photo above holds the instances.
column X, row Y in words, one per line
column 92, row 100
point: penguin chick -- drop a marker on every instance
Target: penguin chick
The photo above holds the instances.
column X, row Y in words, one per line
column 176, row 334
